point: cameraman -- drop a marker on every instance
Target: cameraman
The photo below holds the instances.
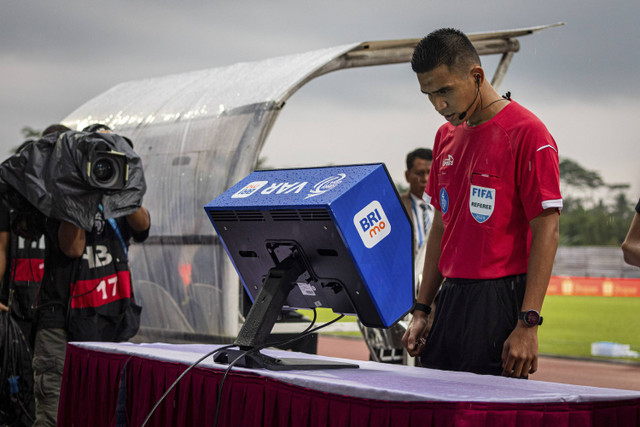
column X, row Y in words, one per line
column 22, row 254
column 74, row 259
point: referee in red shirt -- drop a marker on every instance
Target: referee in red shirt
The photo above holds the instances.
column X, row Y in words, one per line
column 494, row 184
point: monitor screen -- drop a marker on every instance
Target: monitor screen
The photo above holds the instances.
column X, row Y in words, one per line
column 345, row 225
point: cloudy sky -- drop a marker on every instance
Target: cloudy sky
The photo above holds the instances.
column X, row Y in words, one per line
column 580, row 79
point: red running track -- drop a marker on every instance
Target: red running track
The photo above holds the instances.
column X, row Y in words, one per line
column 551, row 369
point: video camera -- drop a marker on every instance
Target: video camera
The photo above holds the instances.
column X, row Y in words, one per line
column 68, row 175
column 106, row 169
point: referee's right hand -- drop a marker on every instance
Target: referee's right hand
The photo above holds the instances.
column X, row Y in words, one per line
column 415, row 336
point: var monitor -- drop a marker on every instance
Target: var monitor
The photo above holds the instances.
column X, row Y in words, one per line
column 334, row 237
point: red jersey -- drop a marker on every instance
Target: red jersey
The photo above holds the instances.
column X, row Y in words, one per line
column 489, row 181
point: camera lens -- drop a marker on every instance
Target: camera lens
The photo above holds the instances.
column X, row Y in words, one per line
column 103, row 170
column 107, row 170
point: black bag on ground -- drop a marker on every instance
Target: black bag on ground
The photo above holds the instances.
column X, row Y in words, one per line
column 16, row 375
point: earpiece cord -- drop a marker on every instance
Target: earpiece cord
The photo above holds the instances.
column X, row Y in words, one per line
column 505, row 97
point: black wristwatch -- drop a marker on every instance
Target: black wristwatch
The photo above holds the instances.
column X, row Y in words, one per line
column 530, row 318
column 421, row 307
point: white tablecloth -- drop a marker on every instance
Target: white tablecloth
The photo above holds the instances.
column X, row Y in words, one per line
column 384, row 381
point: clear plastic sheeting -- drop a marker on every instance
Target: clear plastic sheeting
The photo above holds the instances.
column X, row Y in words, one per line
column 198, row 94
column 197, row 134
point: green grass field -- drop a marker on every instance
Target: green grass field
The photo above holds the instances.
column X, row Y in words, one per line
column 571, row 324
column 326, row 315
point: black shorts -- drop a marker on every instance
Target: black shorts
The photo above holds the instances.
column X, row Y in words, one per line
column 472, row 321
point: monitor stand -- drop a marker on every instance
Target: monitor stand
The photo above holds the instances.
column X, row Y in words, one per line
column 261, row 318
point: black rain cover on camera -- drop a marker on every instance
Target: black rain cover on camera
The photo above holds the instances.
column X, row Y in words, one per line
column 52, row 175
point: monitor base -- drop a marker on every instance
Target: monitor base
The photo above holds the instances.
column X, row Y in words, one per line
column 259, row 360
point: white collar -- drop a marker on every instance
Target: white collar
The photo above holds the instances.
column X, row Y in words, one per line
column 418, row 201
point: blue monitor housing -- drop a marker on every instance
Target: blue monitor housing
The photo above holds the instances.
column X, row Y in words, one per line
column 335, row 237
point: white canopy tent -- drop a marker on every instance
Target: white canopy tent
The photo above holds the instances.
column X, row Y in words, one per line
column 198, row 133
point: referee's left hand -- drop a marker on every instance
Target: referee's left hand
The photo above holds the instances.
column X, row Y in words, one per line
column 520, row 352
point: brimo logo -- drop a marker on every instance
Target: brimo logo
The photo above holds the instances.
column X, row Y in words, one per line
column 372, row 224
column 249, row 189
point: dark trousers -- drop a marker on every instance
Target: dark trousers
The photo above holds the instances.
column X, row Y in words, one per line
column 471, row 324
column 48, row 365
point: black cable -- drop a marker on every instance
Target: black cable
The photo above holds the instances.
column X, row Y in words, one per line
column 224, row 377
column 166, row 393
column 15, row 351
column 16, row 346
column 305, row 333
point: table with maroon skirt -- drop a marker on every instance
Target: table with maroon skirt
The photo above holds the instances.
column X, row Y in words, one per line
column 118, row 384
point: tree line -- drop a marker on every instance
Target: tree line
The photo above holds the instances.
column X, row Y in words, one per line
column 595, row 213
